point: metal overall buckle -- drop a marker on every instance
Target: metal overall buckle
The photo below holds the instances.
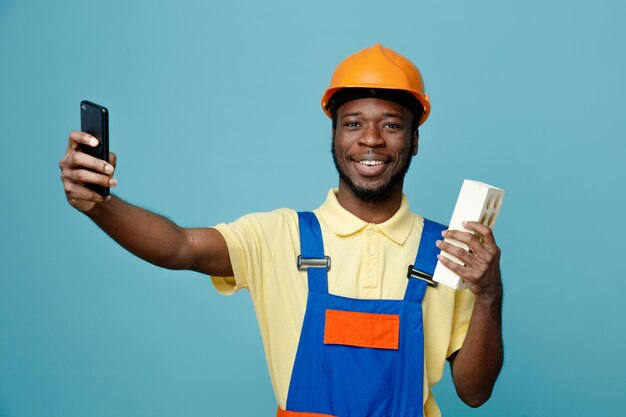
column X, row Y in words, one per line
column 416, row 273
column 306, row 263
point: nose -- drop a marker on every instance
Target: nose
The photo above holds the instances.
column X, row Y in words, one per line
column 371, row 137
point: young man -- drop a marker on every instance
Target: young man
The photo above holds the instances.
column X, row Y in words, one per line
column 345, row 332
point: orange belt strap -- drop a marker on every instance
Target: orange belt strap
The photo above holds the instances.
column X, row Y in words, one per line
column 282, row 413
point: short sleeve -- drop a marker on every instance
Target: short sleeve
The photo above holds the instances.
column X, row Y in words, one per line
column 251, row 241
column 463, row 306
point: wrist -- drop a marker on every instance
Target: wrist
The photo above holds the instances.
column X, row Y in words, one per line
column 98, row 209
column 489, row 299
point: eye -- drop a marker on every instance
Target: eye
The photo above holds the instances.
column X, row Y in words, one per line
column 351, row 124
column 391, row 125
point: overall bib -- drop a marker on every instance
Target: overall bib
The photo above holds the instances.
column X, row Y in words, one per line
column 359, row 358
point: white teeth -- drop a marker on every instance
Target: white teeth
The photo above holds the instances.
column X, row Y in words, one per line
column 371, row 163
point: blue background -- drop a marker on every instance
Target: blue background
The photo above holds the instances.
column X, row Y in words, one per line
column 215, row 113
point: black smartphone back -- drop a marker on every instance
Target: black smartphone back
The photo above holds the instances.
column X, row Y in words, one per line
column 94, row 119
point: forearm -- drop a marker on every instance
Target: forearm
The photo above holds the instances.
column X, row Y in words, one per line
column 143, row 233
column 477, row 364
column 475, row 367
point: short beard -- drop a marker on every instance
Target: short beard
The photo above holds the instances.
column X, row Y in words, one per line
column 377, row 194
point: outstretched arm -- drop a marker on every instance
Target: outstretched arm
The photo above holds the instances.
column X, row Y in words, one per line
column 476, row 366
column 145, row 234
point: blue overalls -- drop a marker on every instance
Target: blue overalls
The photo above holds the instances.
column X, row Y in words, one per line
column 359, row 358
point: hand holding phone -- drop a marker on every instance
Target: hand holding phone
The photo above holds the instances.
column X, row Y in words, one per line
column 94, row 119
column 86, row 171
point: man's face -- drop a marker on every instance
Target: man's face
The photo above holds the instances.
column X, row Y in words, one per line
column 373, row 146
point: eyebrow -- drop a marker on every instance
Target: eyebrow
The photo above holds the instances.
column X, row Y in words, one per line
column 396, row 115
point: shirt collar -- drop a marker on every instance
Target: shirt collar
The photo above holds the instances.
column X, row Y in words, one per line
column 344, row 223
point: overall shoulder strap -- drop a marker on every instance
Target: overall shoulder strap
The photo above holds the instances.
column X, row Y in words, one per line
column 425, row 261
column 312, row 257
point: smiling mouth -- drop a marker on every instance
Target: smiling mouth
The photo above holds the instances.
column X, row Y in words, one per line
column 371, row 163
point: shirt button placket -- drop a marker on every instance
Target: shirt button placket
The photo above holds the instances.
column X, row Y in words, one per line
column 371, row 288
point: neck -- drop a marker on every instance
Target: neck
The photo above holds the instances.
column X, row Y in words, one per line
column 375, row 212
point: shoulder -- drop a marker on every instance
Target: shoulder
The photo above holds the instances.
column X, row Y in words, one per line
column 261, row 224
column 282, row 217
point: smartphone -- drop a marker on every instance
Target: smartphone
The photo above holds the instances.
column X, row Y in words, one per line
column 94, row 119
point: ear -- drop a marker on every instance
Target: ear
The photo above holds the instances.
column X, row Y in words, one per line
column 415, row 142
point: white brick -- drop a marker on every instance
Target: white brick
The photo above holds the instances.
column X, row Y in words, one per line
column 477, row 202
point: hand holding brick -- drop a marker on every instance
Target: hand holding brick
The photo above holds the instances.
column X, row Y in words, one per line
column 478, row 202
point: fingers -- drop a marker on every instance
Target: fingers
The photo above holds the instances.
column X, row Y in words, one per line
column 477, row 259
column 112, row 159
column 481, row 243
column 79, row 169
column 77, row 193
column 75, row 158
column 80, row 159
column 464, row 246
column 471, row 268
column 460, row 270
column 85, row 176
column 458, row 252
column 485, row 234
column 479, row 264
column 77, row 138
